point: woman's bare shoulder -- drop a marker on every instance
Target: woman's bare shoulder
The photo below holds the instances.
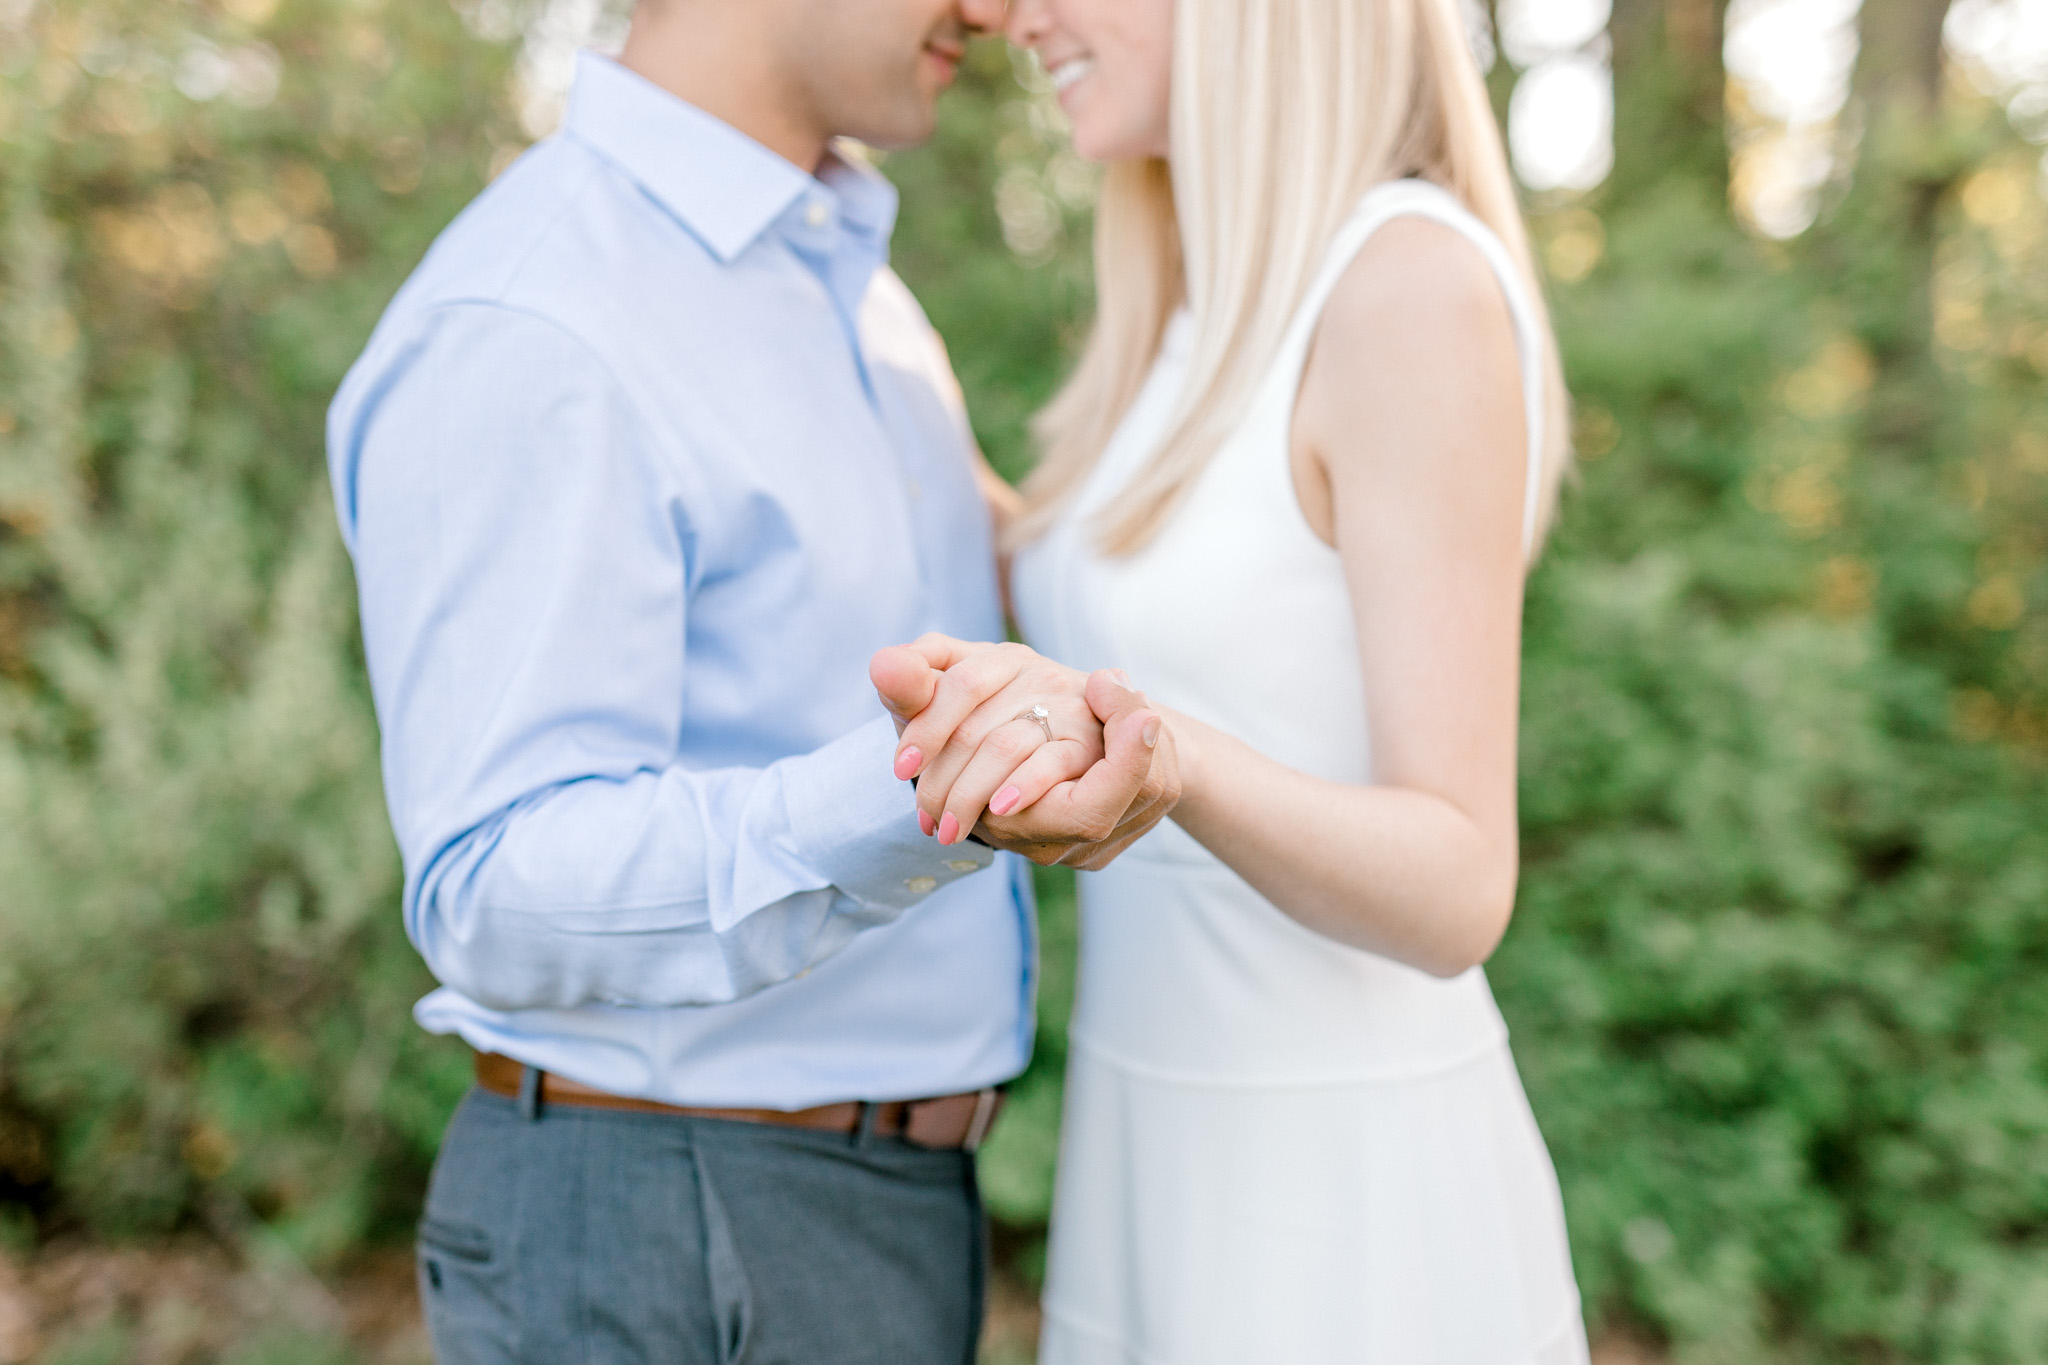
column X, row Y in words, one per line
column 1419, row 290
column 1413, row 377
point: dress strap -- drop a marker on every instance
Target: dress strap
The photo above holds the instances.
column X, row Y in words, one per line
column 1421, row 199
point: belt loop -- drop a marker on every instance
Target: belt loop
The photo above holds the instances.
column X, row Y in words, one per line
column 984, row 1118
column 864, row 1131
column 529, row 1093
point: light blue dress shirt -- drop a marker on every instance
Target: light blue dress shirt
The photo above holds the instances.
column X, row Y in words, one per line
column 647, row 458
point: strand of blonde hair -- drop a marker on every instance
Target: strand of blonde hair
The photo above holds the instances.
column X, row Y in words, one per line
column 1284, row 113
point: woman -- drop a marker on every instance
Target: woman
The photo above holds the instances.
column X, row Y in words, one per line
column 1291, row 490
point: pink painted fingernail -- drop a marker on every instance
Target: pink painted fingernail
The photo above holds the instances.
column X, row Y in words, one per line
column 1151, row 733
column 924, row 822
column 908, row 762
column 1005, row 800
column 949, row 829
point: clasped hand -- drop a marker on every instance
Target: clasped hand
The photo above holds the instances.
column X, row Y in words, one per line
column 1105, row 775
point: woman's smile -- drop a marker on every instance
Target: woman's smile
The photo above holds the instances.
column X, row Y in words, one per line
column 1070, row 71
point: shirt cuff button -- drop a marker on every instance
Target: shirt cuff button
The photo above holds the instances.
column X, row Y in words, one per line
column 918, row 886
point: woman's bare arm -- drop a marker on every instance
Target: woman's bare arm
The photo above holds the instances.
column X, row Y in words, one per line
column 1410, row 458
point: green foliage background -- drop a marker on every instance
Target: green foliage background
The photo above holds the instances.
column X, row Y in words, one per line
column 1776, row 976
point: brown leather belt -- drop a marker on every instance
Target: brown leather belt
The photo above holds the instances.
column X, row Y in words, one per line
column 949, row 1121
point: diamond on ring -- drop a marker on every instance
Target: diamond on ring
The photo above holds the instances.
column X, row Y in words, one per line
column 1039, row 716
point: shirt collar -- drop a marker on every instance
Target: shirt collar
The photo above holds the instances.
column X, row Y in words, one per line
column 726, row 188
column 866, row 200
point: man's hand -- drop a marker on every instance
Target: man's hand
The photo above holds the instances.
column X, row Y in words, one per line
column 1106, row 778
column 907, row 676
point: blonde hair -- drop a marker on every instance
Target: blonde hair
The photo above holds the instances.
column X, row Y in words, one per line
column 1284, row 112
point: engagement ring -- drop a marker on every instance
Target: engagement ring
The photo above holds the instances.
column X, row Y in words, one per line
column 1043, row 718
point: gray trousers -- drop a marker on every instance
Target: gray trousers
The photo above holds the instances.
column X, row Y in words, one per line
column 567, row 1236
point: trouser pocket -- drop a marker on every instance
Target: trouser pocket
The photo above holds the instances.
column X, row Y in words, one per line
column 456, row 1245
column 725, row 1278
column 465, row 1254
column 462, row 1291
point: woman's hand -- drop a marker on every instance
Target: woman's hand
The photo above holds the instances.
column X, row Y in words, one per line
column 973, row 746
column 1102, row 780
column 1077, row 823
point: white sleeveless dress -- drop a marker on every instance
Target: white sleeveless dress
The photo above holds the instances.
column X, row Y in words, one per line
column 1277, row 1148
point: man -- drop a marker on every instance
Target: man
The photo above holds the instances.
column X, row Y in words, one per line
column 640, row 468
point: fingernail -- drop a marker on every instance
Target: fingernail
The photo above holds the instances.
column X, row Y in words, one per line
column 1005, row 800
column 949, row 829
column 1123, row 678
column 908, row 762
column 1150, row 734
column 924, row 822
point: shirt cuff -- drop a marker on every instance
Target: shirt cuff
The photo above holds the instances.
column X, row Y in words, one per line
column 855, row 823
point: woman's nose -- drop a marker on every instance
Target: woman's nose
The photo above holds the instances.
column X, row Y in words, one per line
column 1026, row 22
column 984, row 16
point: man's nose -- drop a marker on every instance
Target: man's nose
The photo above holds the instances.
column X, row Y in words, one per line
column 983, row 16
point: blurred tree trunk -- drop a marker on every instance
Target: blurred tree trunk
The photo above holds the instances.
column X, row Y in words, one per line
column 1669, row 93
column 1904, row 165
column 1878, row 252
column 1898, row 67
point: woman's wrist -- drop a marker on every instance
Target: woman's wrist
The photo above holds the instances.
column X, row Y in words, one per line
column 1193, row 751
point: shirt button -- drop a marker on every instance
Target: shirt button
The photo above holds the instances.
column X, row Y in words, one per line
column 918, row 886
column 964, row 865
column 817, row 213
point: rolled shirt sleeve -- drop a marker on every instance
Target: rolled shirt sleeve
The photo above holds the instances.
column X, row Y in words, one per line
column 524, row 555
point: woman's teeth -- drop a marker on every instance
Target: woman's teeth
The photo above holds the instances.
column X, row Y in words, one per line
column 1067, row 72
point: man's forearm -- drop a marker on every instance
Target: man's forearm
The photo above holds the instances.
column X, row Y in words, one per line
column 679, row 887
